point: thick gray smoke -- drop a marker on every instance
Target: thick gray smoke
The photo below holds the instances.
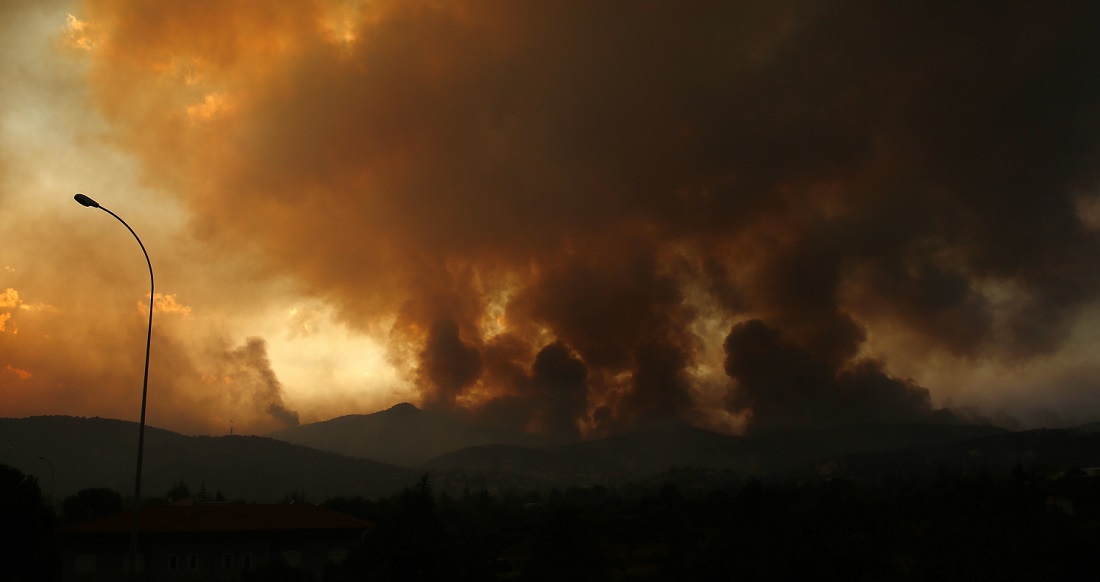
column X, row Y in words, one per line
column 553, row 199
column 249, row 370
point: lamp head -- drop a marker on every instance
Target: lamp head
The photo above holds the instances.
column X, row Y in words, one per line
column 86, row 201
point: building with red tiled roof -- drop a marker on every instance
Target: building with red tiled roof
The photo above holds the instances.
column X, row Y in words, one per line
column 209, row 541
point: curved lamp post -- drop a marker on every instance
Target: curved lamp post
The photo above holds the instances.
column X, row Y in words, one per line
column 86, row 201
column 53, row 482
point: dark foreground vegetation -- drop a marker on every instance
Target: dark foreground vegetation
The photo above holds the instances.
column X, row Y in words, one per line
column 945, row 523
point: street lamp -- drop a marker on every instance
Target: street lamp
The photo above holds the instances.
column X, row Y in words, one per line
column 86, row 201
column 53, row 482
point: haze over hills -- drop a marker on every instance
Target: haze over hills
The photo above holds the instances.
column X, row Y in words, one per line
column 100, row 452
column 97, row 452
column 1046, row 450
column 402, row 435
column 640, row 455
column 408, row 436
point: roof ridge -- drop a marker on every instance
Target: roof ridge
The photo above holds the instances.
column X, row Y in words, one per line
column 228, row 517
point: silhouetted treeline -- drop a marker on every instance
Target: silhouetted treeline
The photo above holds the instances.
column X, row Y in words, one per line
column 27, row 550
column 941, row 524
column 944, row 522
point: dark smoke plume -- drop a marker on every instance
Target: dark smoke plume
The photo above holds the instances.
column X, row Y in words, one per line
column 249, row 368
column 560, row 391
column 448, row 364
column 783, row 385
column 617, row 178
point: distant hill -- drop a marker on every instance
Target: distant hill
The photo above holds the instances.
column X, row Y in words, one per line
column 1046, row 451
column 642, row 455
column 608, row 461
column 405, row 435
column 648, row 452
column 97, row 452
column 100, row 452
column 1089, row 427
column 401, row 435
column 783, row 450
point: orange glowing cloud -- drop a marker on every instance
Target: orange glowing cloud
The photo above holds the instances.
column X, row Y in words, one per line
column 581, row 217
column 165, row 303
column 18, row 373
column 9, row 298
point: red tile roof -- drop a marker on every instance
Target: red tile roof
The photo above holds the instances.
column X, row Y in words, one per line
column 221, row 518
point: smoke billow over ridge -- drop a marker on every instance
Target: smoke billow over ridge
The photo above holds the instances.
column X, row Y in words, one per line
column 552, row 202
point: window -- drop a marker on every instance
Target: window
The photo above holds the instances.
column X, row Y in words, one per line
column 246, row 561
column 84, row 563
column 173, row 562
column 193, row 562
column 139, row 563
column 293, row 558
column 227, row 561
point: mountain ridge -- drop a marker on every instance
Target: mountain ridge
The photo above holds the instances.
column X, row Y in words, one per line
column 401, row 435
column 96, row 452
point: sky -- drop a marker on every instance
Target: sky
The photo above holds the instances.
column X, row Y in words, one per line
column 567, row 218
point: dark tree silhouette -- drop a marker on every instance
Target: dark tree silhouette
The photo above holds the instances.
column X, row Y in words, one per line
column 90, row 503
column 26, row 529
column 179, row 492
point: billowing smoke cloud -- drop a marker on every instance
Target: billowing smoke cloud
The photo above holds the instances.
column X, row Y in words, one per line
column 193, row 388
column 559, row 387
column 781, row 384
column 247, row 375
column 550, row 399
column 449, row 365
column 623, row 315
column 553, row 201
